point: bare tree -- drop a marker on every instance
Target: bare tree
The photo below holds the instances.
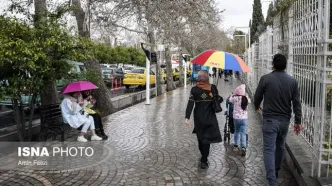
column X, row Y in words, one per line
column 102, row 94
column 170, row 18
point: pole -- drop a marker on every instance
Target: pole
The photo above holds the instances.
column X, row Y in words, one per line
column 185, row 72
column 147, row 81
column 245, row 43
column 249, row 50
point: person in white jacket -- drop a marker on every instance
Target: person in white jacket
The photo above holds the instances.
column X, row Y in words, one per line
column 74, row 115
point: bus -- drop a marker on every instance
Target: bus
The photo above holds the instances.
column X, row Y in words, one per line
column 195, row 69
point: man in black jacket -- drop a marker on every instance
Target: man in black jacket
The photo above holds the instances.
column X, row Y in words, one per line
column 280, row 92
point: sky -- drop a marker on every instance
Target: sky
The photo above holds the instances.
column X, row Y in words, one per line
column 239, row 12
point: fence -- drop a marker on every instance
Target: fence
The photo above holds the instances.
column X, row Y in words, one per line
column 303, row 34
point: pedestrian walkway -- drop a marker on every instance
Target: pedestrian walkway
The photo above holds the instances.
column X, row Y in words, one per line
column 151, row 145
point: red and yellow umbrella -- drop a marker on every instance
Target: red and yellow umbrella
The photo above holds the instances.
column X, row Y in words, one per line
column 220, row 59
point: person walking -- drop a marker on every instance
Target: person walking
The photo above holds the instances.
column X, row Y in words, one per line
column 220, row 71
column 280, row 92
column 205, row 119
column 214, row 70
column 226, row 75
column 240, row 116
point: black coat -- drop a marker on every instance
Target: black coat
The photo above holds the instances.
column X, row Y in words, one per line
column 205, row 119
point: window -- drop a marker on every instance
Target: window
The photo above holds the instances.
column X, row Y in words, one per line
column 151, row 72
column 107, row 71
column 119, row 71
column 128, row 68
column 137, row 71
column 82, row 68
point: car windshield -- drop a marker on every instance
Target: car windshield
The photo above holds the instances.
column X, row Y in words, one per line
column 108, row 71
column 137, row 71
column 128, row 68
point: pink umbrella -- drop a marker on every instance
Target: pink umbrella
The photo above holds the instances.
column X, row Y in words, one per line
column 78, row 86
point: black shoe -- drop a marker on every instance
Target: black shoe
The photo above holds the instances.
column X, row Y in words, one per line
column 244, row 151
column 235, row 146
column 277, row 174
column 104, row 136
column 204, row 165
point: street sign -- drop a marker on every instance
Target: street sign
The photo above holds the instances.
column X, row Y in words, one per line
column 152, row 56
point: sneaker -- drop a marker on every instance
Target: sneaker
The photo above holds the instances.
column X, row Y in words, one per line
column 243, row 151
column 235, row 146
column 204, row 165
column 81, row 139
column 96, row 138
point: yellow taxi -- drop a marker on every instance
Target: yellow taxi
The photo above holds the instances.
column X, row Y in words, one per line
column 189, row 71
column 176, row 74
column 163, row 74
column 137, row 77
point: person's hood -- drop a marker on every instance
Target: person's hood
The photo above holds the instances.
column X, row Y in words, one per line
column 240, row 90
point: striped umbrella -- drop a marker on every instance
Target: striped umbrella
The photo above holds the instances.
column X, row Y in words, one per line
column 220, row 59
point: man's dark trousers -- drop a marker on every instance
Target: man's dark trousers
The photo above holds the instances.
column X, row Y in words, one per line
column 274, row 138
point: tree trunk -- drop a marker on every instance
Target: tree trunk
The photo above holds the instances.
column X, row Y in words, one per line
column 40, row 12
column 18, row 119
column 82, row 25
column 181, row 77
column 102, row 94
column 32, row 106
column 169, row 71
column 49, row 94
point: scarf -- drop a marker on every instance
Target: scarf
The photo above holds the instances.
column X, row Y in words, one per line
column 204, row 85
column 73, row 101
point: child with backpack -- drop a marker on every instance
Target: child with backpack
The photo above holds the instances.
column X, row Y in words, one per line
column 240, row 102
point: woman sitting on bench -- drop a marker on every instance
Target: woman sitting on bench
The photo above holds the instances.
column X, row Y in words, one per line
column 75, row 116
column 88, row 105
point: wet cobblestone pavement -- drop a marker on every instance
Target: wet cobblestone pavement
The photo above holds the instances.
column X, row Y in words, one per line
column 151, row 145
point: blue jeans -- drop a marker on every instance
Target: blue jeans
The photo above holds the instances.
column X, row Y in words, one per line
column 240, row 126
column 274, row 138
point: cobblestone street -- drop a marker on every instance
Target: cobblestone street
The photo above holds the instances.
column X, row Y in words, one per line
column 151, row 145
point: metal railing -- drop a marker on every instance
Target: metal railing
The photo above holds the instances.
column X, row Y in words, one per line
column 303, row 35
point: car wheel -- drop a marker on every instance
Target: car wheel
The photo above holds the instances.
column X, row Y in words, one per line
column 127, row 86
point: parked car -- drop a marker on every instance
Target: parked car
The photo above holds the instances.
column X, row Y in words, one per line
column 176, row 74
column 163, row 74
column 127, row 69
column 137, row 76
column 77, row 67
column 111, row 74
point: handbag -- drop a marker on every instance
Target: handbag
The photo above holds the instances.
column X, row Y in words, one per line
column 216, row 101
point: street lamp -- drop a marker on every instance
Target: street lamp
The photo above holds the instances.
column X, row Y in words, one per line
column 147, row 70
column 249, row 49
column 245, row 39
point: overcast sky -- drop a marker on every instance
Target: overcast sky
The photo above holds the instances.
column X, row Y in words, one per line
column 239, row 12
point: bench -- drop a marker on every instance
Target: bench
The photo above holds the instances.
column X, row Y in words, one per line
column 52, row 124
